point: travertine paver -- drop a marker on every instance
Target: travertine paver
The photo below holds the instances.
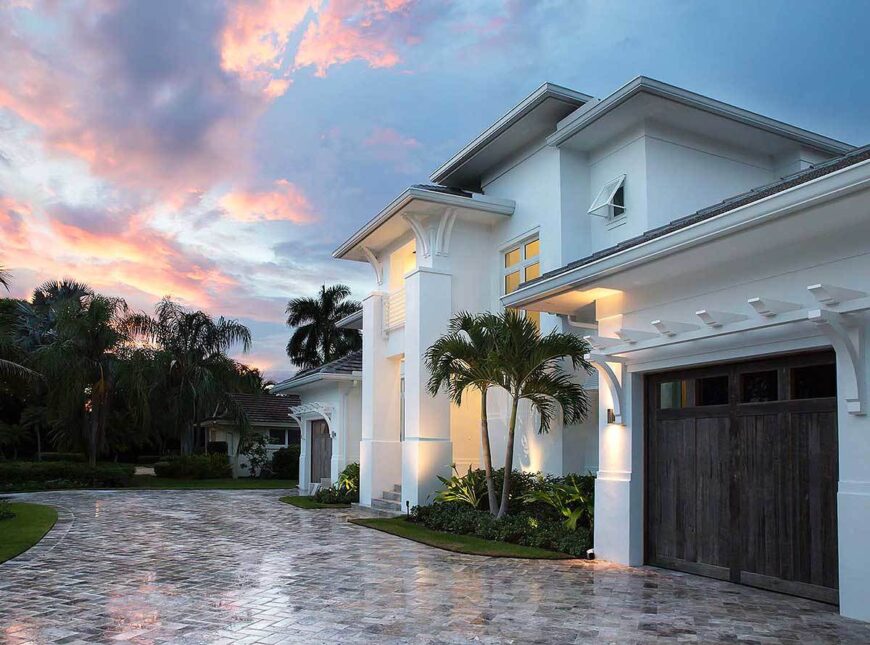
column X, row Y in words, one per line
column 240, row 567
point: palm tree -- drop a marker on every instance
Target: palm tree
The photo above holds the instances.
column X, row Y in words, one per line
column 316, row 340
column 530, row 367
column 81, row 362
column 198, row 371
column 4, row 277
column 461, row 360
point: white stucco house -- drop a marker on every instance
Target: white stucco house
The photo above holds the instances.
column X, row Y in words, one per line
column 328, row 411
column 719, row 261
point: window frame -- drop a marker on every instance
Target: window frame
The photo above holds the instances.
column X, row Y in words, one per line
column 523, row 263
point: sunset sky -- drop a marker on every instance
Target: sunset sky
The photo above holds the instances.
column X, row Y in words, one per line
column 219, row 151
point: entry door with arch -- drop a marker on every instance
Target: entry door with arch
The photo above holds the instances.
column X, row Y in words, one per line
column 321, row 451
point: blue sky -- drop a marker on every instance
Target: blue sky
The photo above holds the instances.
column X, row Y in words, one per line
column 218, row 151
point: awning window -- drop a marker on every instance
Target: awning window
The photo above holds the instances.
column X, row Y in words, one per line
column 609, row 202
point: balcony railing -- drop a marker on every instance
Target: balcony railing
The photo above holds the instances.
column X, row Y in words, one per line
column 394, row 310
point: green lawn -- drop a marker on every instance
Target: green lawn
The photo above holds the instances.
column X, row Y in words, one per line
column 165, row 483
column 458, row 543
column 301, row 501
column 30, row 524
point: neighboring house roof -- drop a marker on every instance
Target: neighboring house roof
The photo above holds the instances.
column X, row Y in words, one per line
column 351, row 321
column 756, row 194
column 262, row 409
column 346, row 366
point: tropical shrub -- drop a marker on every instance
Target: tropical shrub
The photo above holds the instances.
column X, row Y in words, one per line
column 469, row 488
column 254, row 450
column 285, row 462
column 214, row 466
column 345, row 491
column 6, row 510
column 569, row 496
column 348, row 479
column 24, row 475
column 63, row 456
column 522, row 527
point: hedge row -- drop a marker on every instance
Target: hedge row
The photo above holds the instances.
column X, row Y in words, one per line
column 24, row 475
column 214, row 466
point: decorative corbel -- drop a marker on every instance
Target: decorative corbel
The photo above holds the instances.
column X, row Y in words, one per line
column 417, row 225
column 829, row 295
column 445, row 229
column 848, row 344
column 614, row 384
column 672, row 328
column 633, row 336
column 768, row 307
column 376, row 264
column 716, row 319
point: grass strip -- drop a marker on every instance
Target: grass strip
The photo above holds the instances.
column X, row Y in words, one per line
column 29, row 526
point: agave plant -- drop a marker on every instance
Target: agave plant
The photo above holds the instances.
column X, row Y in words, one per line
column 467, row 489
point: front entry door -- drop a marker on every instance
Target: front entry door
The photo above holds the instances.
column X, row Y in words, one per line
column 321, row 451
column 741, row 479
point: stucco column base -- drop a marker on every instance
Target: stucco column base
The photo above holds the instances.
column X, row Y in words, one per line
column 380, row 468
column 613, row 520
column 423, row 461
column 853, row 511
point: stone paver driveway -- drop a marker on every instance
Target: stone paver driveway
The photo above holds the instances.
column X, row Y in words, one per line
column 240, row 567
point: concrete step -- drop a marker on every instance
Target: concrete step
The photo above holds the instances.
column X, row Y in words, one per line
column 392, row 496
column 386, row 505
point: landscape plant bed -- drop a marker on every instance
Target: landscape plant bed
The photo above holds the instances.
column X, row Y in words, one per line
column 308, row 502
column 29, row 526
column 22, row 476
column 467, row 544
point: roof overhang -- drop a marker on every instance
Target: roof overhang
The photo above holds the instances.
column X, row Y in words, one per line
column 353, row 321
column 569, row 290
column 648, row 99
column 531, row 120
column 295, row 384
column 388, row 225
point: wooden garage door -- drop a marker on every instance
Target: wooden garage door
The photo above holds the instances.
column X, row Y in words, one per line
column 742, row 473
column 321, row 451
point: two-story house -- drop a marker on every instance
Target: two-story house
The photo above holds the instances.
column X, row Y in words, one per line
column 718, row 261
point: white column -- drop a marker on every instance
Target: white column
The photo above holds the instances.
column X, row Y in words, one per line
column 427, row 450
column 619, row 483
column 304, row 458
column 380, row 448
column 853, row 499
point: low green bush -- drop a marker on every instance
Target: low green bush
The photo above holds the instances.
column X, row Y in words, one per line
column 26, row 475
column 214, row 466
column 345, row 491
column 285, row 463
column 149, row 460
column 218, row 448
column 523, row 528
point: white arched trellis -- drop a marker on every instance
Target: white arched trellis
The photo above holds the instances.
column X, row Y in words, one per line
column 314, row 409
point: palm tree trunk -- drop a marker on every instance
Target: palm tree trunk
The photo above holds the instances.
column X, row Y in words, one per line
column 509, row 459
column 92, row 436
column 487, row 453
column 38, row 444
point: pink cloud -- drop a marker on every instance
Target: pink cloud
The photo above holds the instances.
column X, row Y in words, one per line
column 387, row 144
column 285, row 202
column 348, row 30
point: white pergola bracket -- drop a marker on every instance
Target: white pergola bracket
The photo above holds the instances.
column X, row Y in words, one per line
column 848, row 344
column 768, row 307
column 632, row 336
column 718, row 319
column 829, row 295
column 602, row 342
column 672, row 327
column 315, row 409
column 614, row 383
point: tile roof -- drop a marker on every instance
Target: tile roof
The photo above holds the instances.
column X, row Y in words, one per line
column 266, row 408
column 756, row 194
column 345, row 365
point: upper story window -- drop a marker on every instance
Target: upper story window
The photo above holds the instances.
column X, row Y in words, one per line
column 521, row 264
column 609, row 203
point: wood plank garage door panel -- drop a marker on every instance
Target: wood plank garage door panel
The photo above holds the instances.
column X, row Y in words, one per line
column 744, row 491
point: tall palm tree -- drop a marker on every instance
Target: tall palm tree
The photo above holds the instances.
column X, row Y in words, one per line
column 4, row 277
column 462, row 360
column 316, row 340
column 530, row 367
column 12, row 353
column 198, row 370
column 80, row 363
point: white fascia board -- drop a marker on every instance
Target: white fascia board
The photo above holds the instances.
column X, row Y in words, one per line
column 349, row 320
column 799, row 197
column 545, row 91
column 476, row 202
column 569, row 126
column 314, row 378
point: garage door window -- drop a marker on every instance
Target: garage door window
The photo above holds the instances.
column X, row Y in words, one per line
column 758, row 387
column 814, row 381
column 672, row 395
column 712, row 390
